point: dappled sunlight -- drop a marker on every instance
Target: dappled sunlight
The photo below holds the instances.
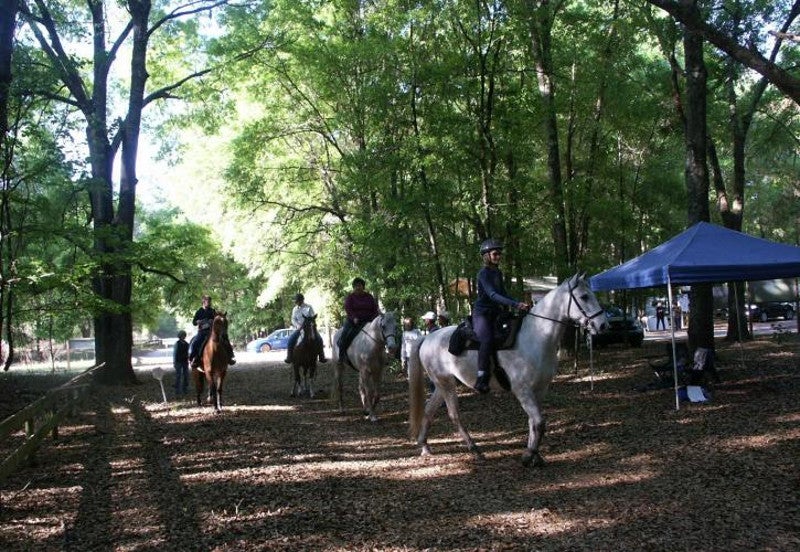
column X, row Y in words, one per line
column 757, row 442
column 607, row 479
column 297, row 474
column 541, row 522
column 227, row 410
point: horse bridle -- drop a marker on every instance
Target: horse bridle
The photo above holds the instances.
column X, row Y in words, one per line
column 572, row 299
column 384, row 335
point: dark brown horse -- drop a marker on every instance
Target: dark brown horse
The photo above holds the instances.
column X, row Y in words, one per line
column 214, row 364
column 304, row 358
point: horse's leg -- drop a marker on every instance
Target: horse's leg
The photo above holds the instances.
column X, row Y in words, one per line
column 310, row 373
column 198, row 385
column 536, row 427
column 296, row 378
column 445, row 391
column 218, row 379
column 431, row 407
column 338, row 385
column 368, row 387
column 207, row 374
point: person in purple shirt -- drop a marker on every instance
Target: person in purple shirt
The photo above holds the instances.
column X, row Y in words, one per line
column 360, row 307
column 488, row 306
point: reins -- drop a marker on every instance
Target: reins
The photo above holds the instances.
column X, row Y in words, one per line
column 569, row 323
column 383, row 333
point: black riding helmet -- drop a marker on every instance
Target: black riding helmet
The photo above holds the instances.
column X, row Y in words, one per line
column 491, row 245
column 299, row 297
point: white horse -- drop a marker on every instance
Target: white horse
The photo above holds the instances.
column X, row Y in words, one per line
column 368, row 353
column 530, row 365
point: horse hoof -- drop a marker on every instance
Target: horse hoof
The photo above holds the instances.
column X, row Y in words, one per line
column 426, row 451
column 532, row 459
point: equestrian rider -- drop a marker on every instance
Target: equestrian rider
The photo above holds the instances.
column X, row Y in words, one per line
column 300, row 312
column 360, row 307
column 203, row 319
column 488, row 306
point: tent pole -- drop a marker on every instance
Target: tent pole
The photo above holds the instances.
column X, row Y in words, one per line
column 674, row 352
column 739, row 323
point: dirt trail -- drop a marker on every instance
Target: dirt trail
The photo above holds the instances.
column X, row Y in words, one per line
column 625, row 471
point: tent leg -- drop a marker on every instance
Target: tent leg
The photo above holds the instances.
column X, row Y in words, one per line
column 674, row 351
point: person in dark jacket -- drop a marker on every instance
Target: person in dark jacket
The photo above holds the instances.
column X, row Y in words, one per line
column 180, row 361
column 361, row 308
column 490, row 303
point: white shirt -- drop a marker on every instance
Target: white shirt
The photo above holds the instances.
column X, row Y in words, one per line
column 298, row 312
column 409, row 337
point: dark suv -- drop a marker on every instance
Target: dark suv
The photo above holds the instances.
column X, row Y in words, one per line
column 771, row 311
column 622, row 328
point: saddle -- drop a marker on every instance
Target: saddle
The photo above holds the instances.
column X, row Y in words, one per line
column 505, row 336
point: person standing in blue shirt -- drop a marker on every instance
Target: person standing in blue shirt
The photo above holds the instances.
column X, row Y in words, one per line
column 491, row 300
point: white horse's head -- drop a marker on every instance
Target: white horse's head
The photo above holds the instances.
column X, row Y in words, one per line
column 584, row 308
column 389, row 332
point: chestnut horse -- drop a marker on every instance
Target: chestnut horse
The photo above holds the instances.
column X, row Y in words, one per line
column 214, row 363
column 304, row 358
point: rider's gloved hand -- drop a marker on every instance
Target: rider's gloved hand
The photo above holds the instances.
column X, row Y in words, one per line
column 524, row 307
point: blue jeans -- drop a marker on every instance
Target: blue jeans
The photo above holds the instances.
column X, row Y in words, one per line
column 181, row 378
column 483, row 324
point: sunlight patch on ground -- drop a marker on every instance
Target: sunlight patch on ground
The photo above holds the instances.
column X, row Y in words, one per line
column 158, row 411
column 763, row 441
column 586, row 453
column 597, row 376
column 610, row 479
column 539, row 521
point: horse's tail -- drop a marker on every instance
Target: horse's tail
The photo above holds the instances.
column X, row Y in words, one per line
column 416, row 390
column 336, row 384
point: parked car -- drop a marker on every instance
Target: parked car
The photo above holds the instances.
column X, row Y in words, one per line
column 622, row 328
column 770, row 311
column 273, row 342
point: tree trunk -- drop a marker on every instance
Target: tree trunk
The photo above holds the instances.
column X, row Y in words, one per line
column 540, row 17
column 701, row 321
column 8, row 10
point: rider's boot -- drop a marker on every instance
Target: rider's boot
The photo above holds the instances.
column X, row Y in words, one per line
column 195, row 362
column 322, row 358
column 482, row 384
column 289, row 352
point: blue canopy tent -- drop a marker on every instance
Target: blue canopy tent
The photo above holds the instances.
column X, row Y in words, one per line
column 703, row 253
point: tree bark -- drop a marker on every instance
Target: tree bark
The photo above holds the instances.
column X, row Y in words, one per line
column 540, row 15
column 701, row 322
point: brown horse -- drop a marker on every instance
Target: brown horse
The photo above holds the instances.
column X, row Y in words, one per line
column 214, row 364
column 304, row 359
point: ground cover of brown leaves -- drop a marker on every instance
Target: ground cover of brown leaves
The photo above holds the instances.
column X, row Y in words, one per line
column 625, row 470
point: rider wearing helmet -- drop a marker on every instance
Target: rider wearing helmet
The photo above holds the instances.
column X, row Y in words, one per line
column 300, row 312
column 489, row 304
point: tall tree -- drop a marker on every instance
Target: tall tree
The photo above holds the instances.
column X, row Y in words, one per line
column 701, row 324
column 59, row 28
